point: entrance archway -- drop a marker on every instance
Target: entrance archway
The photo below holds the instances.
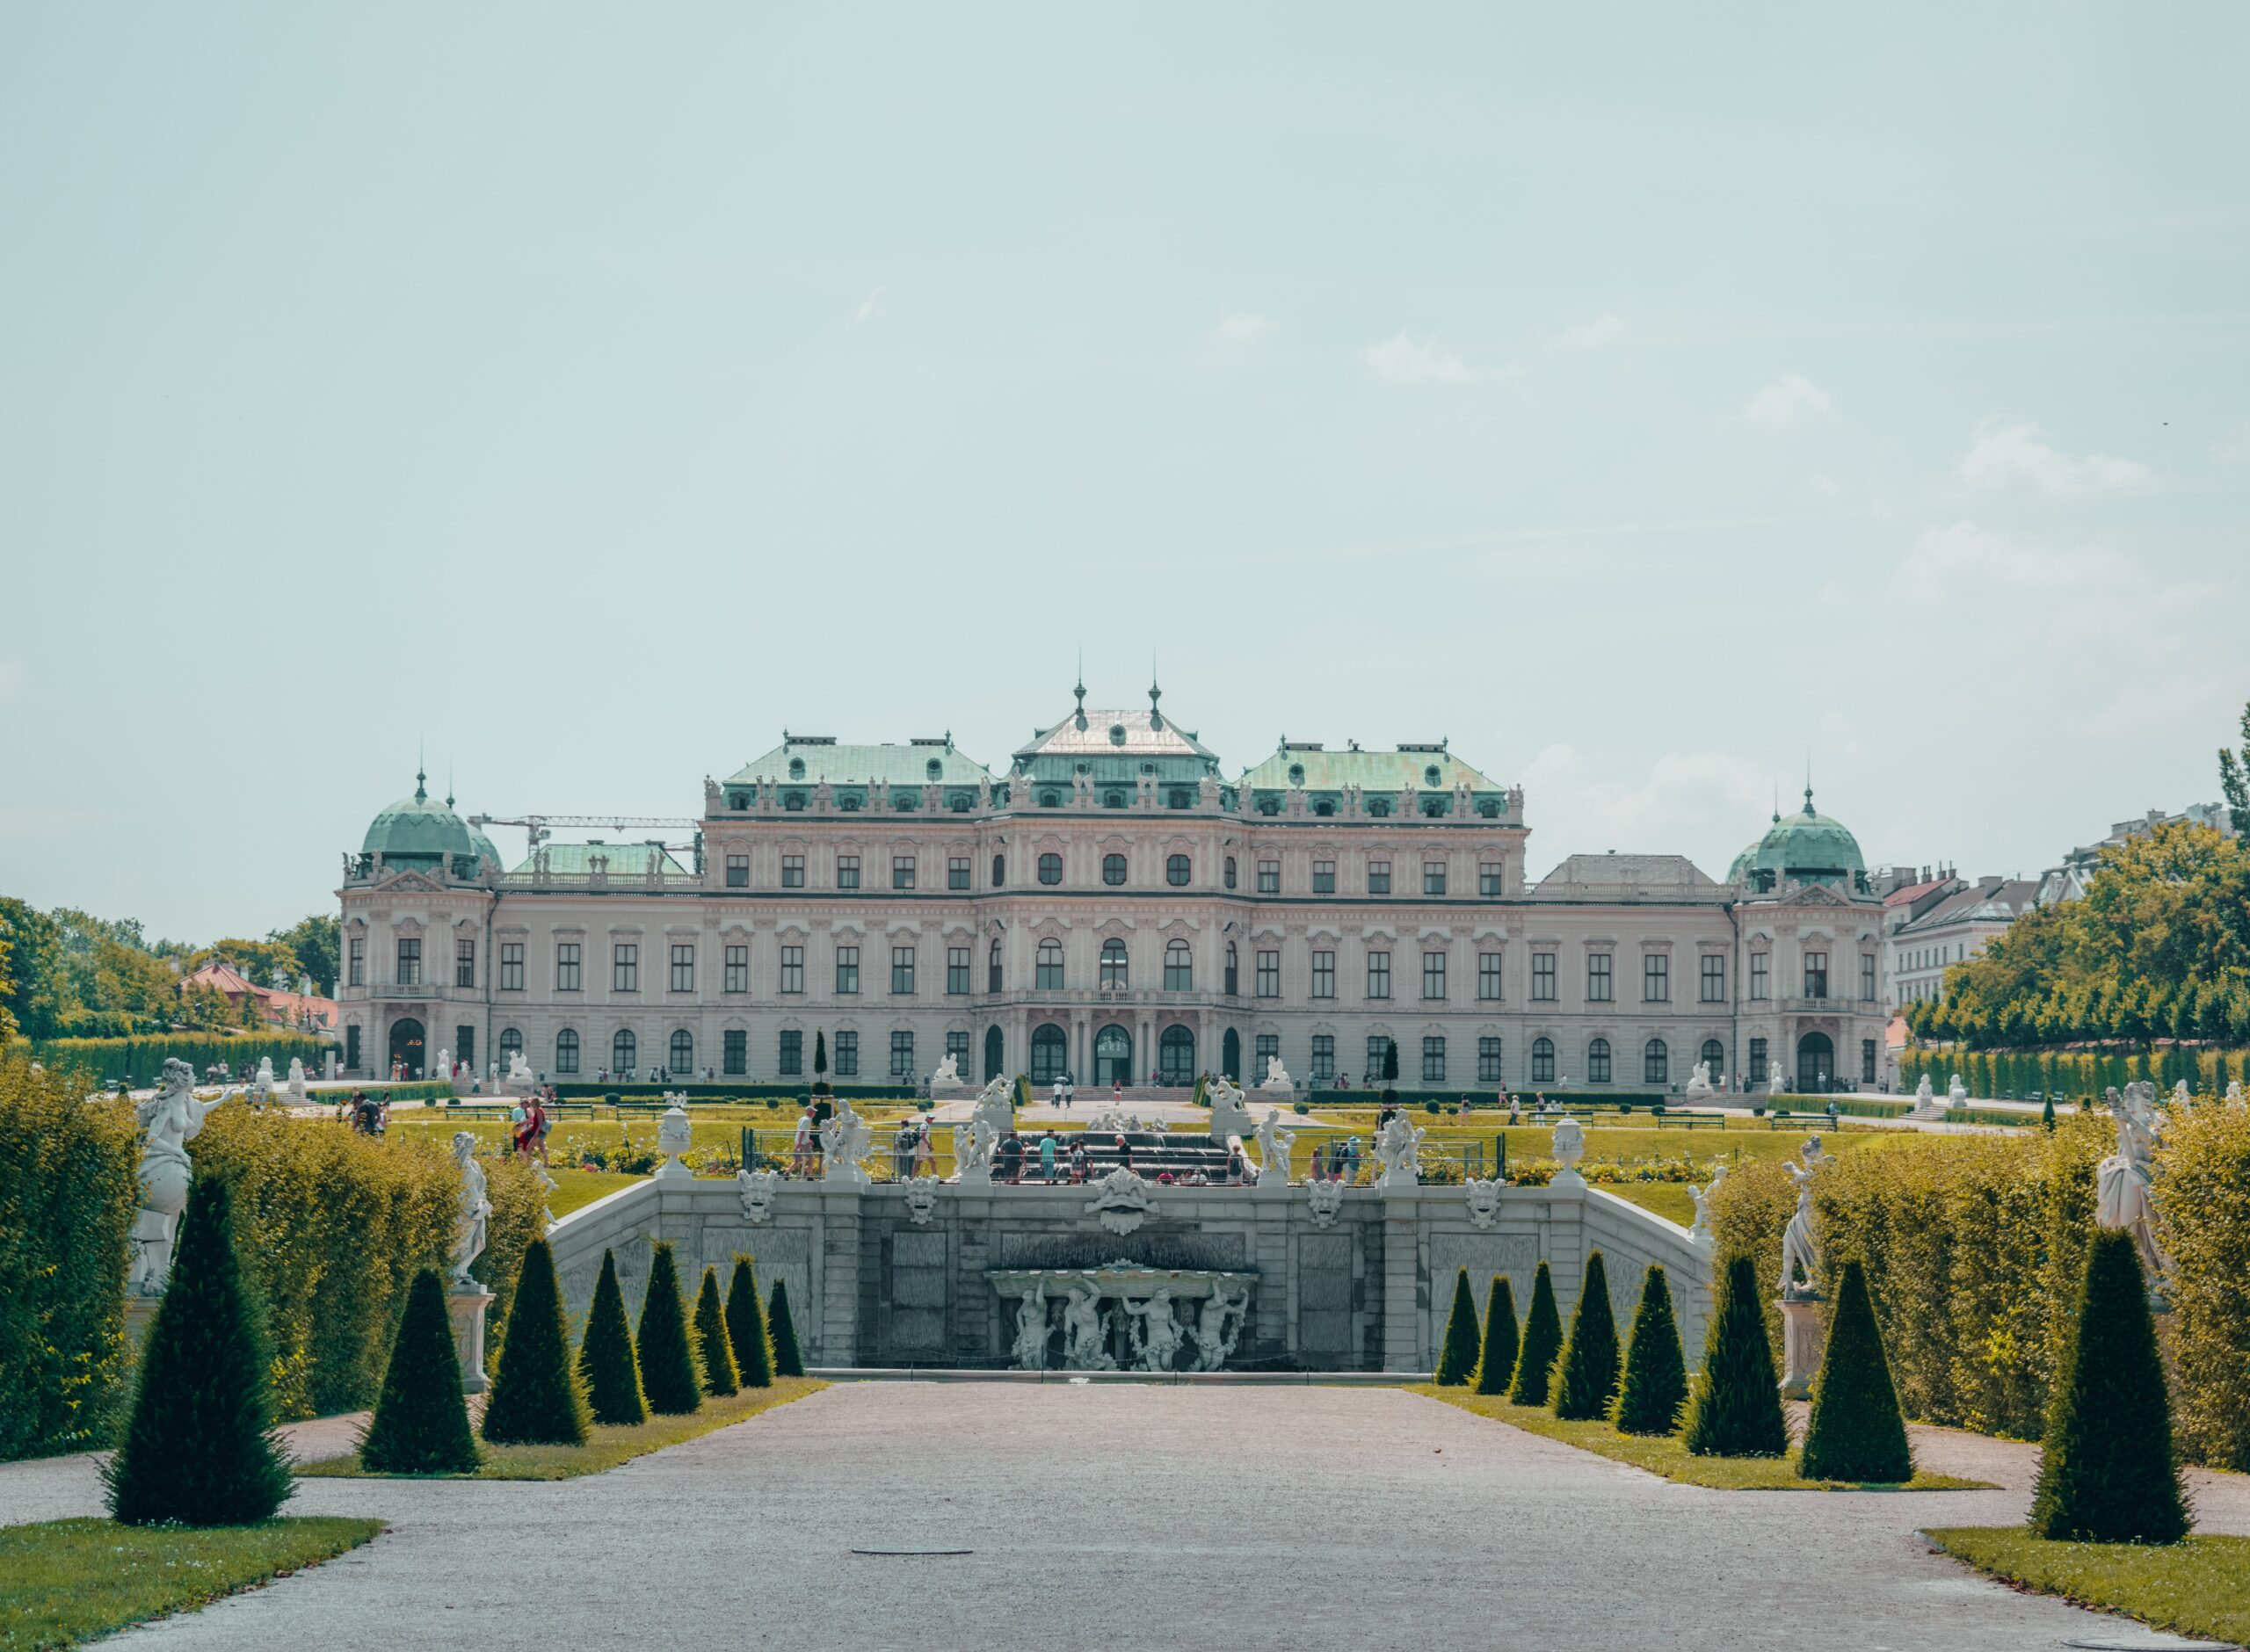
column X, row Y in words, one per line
column 994, row 1054
column 407, row 1045
column 1815, row 1064
column 1050, row 1054
column 1230, row 1055
column 1113, row 1057
column 1176, row 1056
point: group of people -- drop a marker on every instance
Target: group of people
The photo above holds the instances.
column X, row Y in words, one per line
column 528, row 1123
column 369, row 1115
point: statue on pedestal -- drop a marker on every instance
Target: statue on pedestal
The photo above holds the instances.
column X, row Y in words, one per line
column 1702, row 1233
column 948, row 1075
column 1799, row 1248
column 475, row 1208
column 1274, row 1147
column 297, row 1080
column 1570, row 1147
column 1774, row 1081
column 1956, row 1093
column 2123, row 1180
column 172, row 1118
column 1277, row 1076
column 1699, row 1082
column 843, row 1144
column 1218, row 1323
column 1399, row 1153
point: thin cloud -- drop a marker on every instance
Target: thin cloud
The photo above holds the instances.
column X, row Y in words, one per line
column 1241, row 329
column 871, row 306
column 2234, row 448
column 1407, row 360
column 1789, row 401
column 1603, row 329
column 2002, row 456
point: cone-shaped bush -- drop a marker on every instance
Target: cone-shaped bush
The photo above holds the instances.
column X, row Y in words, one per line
column 1855, row 1432
column 746, row 1328
column 787, row 1362
column 711, row 1345
column 1457, row 1358
column 1588, row 1379
column 200, row 1447
column 1734, row 1408
column 536, row 1398
column 421, row 1422
column 668, row 1373
column 2106, row 1474
column 1496, row 1362
column 611, row 1376
column 1542, row 1340
column 1655, row 1373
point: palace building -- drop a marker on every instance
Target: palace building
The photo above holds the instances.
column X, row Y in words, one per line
column 1111, row 905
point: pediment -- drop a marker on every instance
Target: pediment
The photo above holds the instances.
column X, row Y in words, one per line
column 409, row 883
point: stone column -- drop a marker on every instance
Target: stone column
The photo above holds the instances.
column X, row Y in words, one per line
column 468, row 1308
column 1406, row 1346
column 835, row 1322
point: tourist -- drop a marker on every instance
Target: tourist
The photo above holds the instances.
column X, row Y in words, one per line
column 902, row 1150
column 1234, row 1164
column 546, row 1123
column 1057, row 1101
column 1078, row 1161
column 383, row 1114
column 1012, row 1157
column 801, row 1150
column 1070, row 1091
column 1463, row 1114
column 925, row 1154
column 1351, row 1161
column 1047, row 1158
column 1515, row 1111
column 516, row 1141
column 1117, row 1092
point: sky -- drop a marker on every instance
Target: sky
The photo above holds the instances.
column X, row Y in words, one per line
column 1654, row 402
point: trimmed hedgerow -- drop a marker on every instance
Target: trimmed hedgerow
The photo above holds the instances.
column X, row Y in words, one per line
column 782, row 1330
column 421, row 1422
column 1587, row 1380
column 144, row 1058
column 537, row 1398
column 746, row 1327
column 711, row 1346
column 1734, row 1407
column 1457, row 1356
column 2204, row 1222
column 1543, row 1341
column 606, row 1361
column 1496, row 1360
column 1855, row 1432
column 1656, row 1371
column 668, row 1376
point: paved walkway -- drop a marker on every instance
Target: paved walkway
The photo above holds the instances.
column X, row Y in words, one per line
column 1118, row 1516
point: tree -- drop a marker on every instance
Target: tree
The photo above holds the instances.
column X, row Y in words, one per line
column 536, row 1399
column 200, row 1448
column 1734, row 1407
column 1588, row 1381
column 421, row 1423
column 820, row 1063
column 668, row 1373
column 317, row 942
column 1390, row 1065
column 1542, row 1340
column 746, row 1327
column 1457, row 1358
column 606, row 1361
column 1496, row 1361
column 712, row 1346
column 1855, row 1432
column 787, row 1362
column 2234, row 776
column 2047, row 1114
column 1656, row 1371
column 2107, row 1469
column 7, row 996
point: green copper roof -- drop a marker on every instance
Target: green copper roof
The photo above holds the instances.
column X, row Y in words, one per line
column 1115, row 747
column 1807, row 846
column 418, row 829
column 809, row 760
column 1317, row 770
column 625, row 860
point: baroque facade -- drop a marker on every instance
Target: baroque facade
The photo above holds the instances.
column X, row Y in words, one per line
column 1111, row 906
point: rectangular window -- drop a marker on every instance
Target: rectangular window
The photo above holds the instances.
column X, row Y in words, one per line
column 1323, row 1057
column 1656, row 978
column 1488, row 977
column 1378, row 975
column 902, row 1056
column 351, row 1047
column 1324, row 877
column 902, row 872
column 1488, row 880
column 1433, row 1060
column 847, row 969
column 1758, row 978
column 512, row 966
column 1757, row 1075
column 737, row 871
column 1433, row 976
column 737, row 961
column 1542, row 1061
column 847, row 1056
column 793, row 871
column 792, row 1062
column 1597, row 978
column 734, row 1052
column 566, row 967
column 847, row 872
column 1816, row 974
column 902, row 972
column 1488, row 1060
column 464, row 963
column 1543, row 977
column 1378, row 877
column 1434, row 877
column 1323, row 974
column 1380, row 1051
column 358, row 976
column 957, row 1046
column 793, row 973
column 683, row 966
column 1867, row 1061
column 1714, row 978
column 1047, row 966
column 1269, row 976
column 410, row 963
column 625, row 967
column 956, row 969
column 1269, row 877
column 1866, row 977
column 1268, row 1048
column 957, row 873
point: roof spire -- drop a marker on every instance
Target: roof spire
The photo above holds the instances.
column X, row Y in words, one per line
column 449, row 785
column 1808, row 780
column 1777, row 804
column 421, row 764
column 1156, row 717
column 1079, row 718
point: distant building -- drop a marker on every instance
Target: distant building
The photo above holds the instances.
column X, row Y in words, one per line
column 2067, row 881
column 1952, row 929
column 305, row 1010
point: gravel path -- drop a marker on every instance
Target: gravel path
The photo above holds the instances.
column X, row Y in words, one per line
column 1111, row 1516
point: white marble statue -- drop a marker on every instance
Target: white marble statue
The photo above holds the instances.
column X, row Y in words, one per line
column 297, row 1080
column 519, row 1073
column 1483, row 1201
column 2181, row 1097
column 261, row 1086
column 1325, row 1198
column 469, row 1227
column 2234, row 1093
column 843, row 1144
column 756, row 1189
column 921, row 1194
column 1218, row 1323
column 1154, row 1331
column 1083, row 1341
column 1799, row 1248
column 974, row 1143
column 1699, row 1082
column 675, row 1135
column 1923, row 1094
column 1030, row 1344
column 1774, row 1083
column 2122, row 1181
column 172, row 1118
column 1397, row 1153
column 1277, row 1076
column 947, row 1075
column 1274, row 1147
column 1700, row 1232
column 1230, row 1109
column 443, row 1067
column 1956, row 1093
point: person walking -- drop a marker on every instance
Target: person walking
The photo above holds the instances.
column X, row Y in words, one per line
column 1056, row 1100
column 926, row 1154
column 1070, row 1091
column 801, row 1150
column 1047, row 1158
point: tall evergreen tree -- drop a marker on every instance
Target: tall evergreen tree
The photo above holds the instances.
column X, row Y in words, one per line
column 1457, row 1358
column 200, row 1447
column 536, row 1398
column 1588, row 1381
column 1734, row 1407
column 711, row 1344
column 1656, row 1371
column 1542, row 1340
column 606, row 1361
column 787, row 1362
column 421, row 1422
column 668, row 1373
column 2107, row 1471
column 746, row 1327
column 2047, row 1114
column 1496, row 1362
column 1855, row 1432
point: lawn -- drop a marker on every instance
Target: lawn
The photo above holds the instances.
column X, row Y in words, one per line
column 574, row 1188
column 66, row 1581
column 1665, row 1454
column 1671, row 1201
column 2200, row 1587
column 605, row 1447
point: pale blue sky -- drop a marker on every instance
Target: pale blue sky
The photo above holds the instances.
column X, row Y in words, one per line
column 1642, row 397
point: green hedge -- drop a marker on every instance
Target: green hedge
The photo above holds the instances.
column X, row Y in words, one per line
column 143, row 1058
column 67, row 1196
column 2017, row 1074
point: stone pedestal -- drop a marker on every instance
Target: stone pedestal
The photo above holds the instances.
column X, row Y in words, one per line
column 468, row 1308
column 139, row 1314
column 1802, row 1340
column 1274, row 1186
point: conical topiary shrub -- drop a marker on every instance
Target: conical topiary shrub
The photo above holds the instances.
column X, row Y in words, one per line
column 200, row 1447
column 421, row 1422
column 1496, row 1362
column 1656, row 1371
column 2106, row 1472
column 1734, row 1407
column 1542, row 1340
column 1457, row 1358
column 711, row 1346
column 611, row 1375
column 746, row 1328
column 1855, row 1432
column 1588, row 1379
column 668, row 1374
column 536, row 1398
column 787, row 1362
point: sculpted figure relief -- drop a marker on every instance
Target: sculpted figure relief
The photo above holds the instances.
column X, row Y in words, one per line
column 1082, row 1339
column 1030, row 1344
column 1218, row 1323
column 1155, row 1331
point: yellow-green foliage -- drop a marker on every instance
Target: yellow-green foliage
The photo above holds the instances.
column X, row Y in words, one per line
column 67, row 1197
column 2203, row 1194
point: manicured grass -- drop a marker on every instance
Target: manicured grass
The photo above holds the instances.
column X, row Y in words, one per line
column 66, row 1581
column 1665, row 1454
column 574, row 1188
column 2199, row 1587
column 605, row 1447
column 1671, row 1201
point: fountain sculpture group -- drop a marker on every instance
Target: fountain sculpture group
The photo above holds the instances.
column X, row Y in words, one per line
column 1120, row 1317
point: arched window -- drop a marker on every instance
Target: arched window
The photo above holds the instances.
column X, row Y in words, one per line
column 682, row 1058
column 1112, row 1056
column 1113, row 963
column 1234, row 971
column 1324, row 806
column 1176, row 1056
column 1178, row 968
column 1815, row 1063
column 624, row 1051
column 1050, row 975
column 1113, row 869
column 566, row 1051
column 1230, row 872
column 1050, row 868
column 999, row 870
column 992, row 971
column 1175, row 871
column 1713, row 1056
column 1597, row 1062
column 1543, row 1061
column 1656, row 1064
column 511, row 1045
column 1049, row 1053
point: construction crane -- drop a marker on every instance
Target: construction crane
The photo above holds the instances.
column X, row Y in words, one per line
column 540, row 828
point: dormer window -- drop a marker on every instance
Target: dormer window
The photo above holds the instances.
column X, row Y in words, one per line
column 1430, row 776
column 795, row 802
column 1117, row 734
column 933, row 769
column 1296, row 774
column 797, row 768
